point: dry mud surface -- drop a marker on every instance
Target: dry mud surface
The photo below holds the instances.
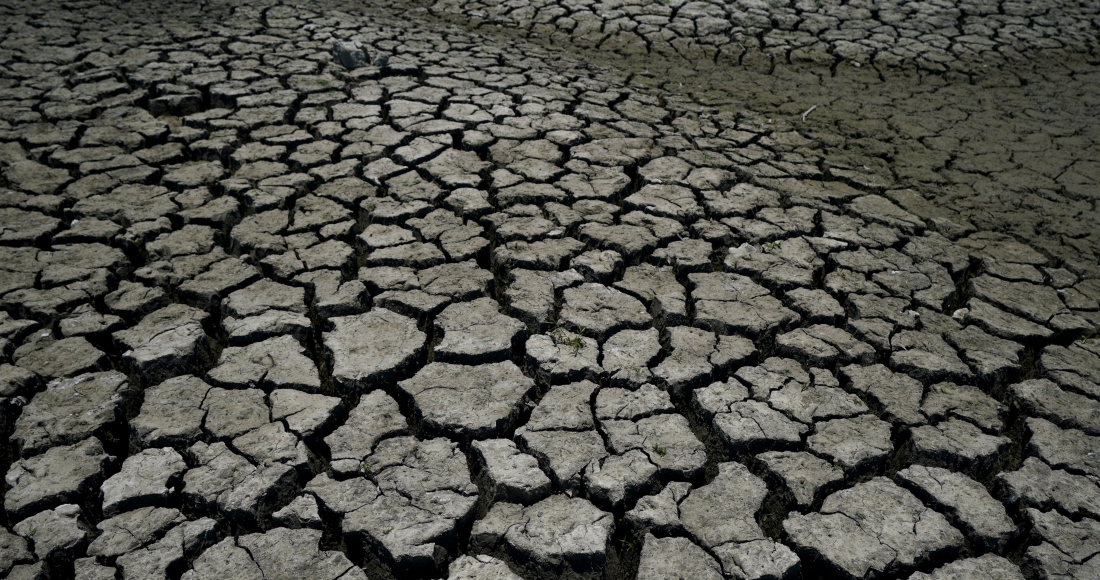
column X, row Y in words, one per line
column 550, row 289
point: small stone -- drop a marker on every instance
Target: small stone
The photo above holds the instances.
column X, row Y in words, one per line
column 509, row 474
column 146, row 479
column 858, row 445
column 987, row 567
column 61, row 475
column 372, row 349
column 676, row 559
column 957, row 445
column 58, row 534
column 807, row 477
column 964, row 501
column 480, row 568
column 872, row 529
column 300, row 513
column 1037, row 485
column 476, row 332
column 616, row 482
column 468, row 402
column 557, row 537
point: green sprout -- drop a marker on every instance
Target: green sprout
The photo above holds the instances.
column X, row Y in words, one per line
column 659, row 450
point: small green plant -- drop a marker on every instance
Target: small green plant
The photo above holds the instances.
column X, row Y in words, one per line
column 860, row 516
column 678, row 357
column 386, row 531
column 576, row 344
column 318, row 108
column 805, row 387
column 772, row 245
column 1085, row 339
column 367, row 466
column 323, row 83
column 33, row 531
column 659, row 450
column 836, row 467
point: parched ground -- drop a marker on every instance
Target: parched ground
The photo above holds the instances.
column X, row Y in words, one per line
column 550, row 289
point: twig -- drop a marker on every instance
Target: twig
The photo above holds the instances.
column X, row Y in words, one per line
column 808, row 111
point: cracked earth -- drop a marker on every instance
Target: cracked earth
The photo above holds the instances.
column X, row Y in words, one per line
column 550, row 289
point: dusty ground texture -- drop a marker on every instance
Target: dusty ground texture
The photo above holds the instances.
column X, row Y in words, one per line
column 746, row 290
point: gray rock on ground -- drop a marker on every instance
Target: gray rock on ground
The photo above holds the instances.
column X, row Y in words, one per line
column 61, row 475
column 881, row 528
column 558, row 536
column 146, row 479
column 509, row 474
column 360, row 362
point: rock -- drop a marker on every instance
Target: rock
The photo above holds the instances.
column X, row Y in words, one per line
column 1037, row 485
column 562, row 357
column 63, row 358
column 987, row 567
column 660, row 512
column 13, row 550
column 676, row 558
column 181, row 544
column 858, row 444
column 307, row 415
column 71, row 410
column 146, row 479
column 563, row 454
column 565, row 407
column 759, row 559
column 734, row 304
column 227, row 483
column 234, row 412
column 615, row 482
column 475, row 332
column 172, row 413
column 272, row 444
column 558, row 537
column 58, row 534
column 725, row 509
column 964, row 402
column 288, row 554
column 480, row 568
column 815, row 306
column 275, row 363
column 424, row 499
column 88, row 569
column 872, row 529
column 375, row 417
column 133, row 300
column 598, row 311
column 1000, row 323
column 66, row 474
column 300, row 513
column 1043, row 398
column 129, row 531
column 1076, row 541
column 1068, row 449
column 508, row 474
column 468, row 402
column 628, row 354
column 659, row 290
column 927, row 358
column 957, row 445
column 1036, row 303
column 749, row 427
column 361, row 360
column 666, row 439
column 632, row 405
column 808, row 478
column 897, row 397
column 964, row 501
column 166, row 343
